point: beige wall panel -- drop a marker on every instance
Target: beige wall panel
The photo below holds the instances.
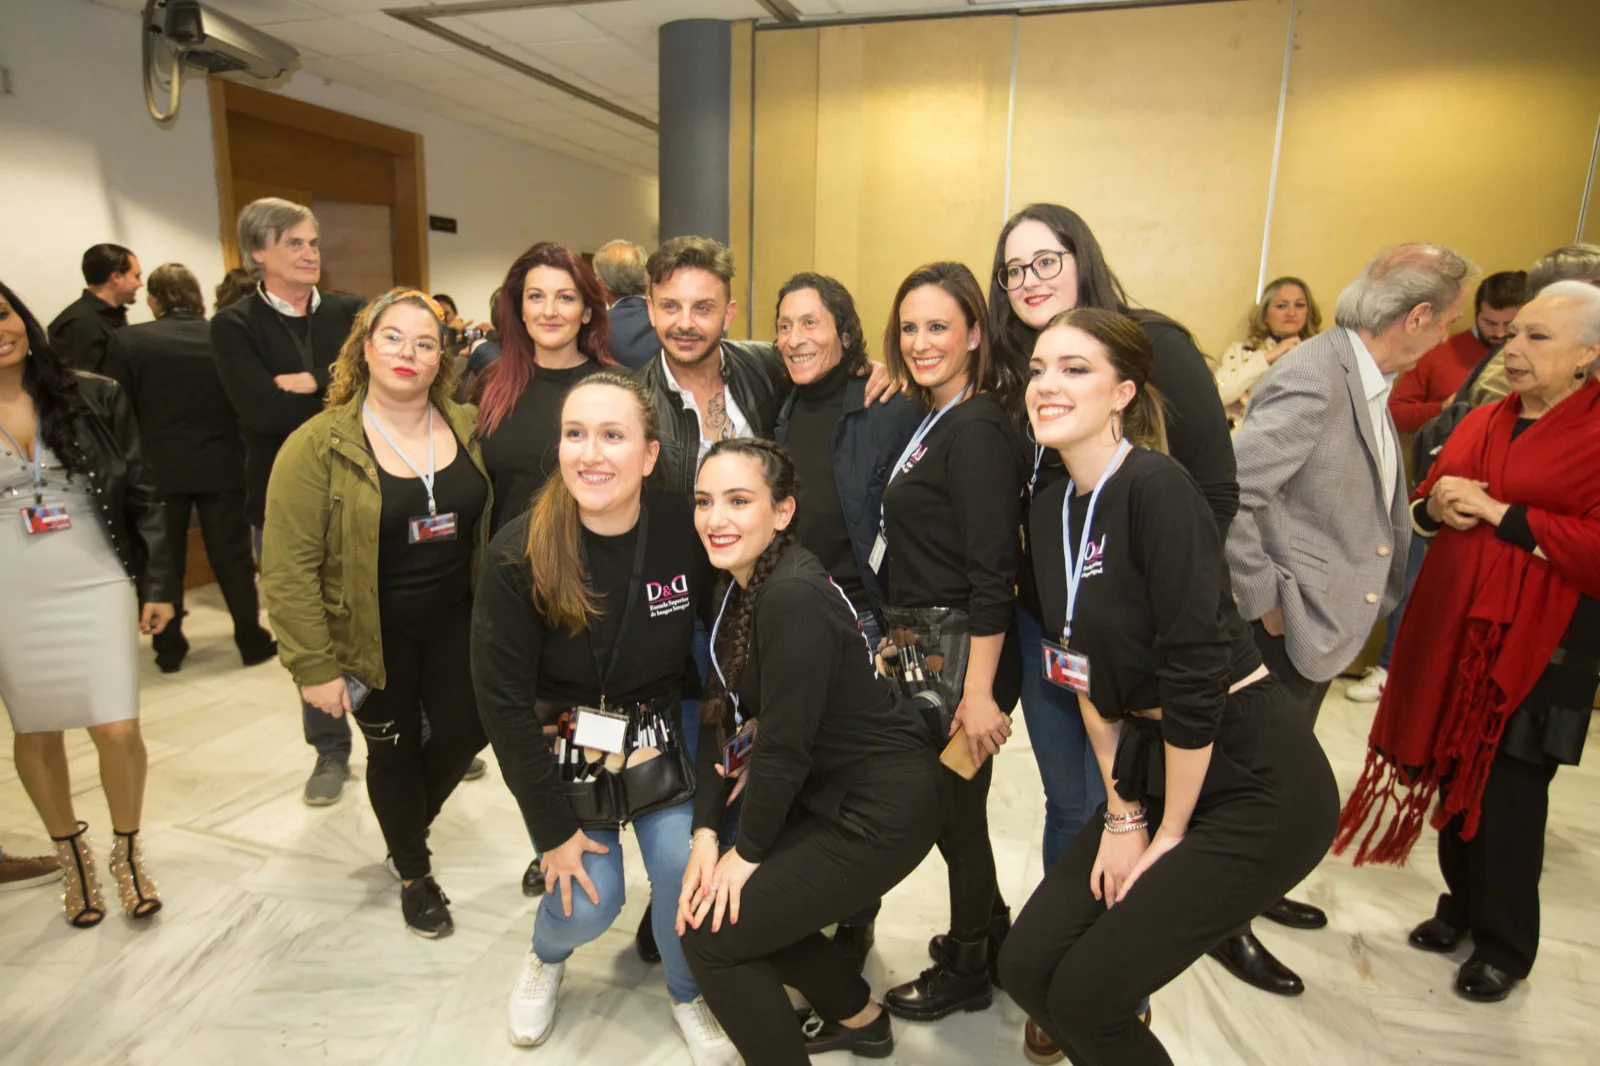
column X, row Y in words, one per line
column 1468, row 122
column 1591, row 220
column 1156, row 125
column 931, row 179
column 842, row 155
column 741, row 113
column 783, row 188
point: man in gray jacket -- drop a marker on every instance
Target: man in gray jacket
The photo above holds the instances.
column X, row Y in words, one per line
column 1318, row 549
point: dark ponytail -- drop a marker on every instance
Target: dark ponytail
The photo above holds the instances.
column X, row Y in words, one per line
column 733, row 637
column 1128, row 347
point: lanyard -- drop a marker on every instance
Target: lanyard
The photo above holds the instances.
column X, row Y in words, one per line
column 34, row 467
column 922, row 431
column 1075, row 565
column 1038, row 461
column 605, row 665
column 427, row 479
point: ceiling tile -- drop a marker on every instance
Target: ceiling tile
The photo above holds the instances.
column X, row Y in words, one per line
column 267, row 12
column 532, row 26
column 334, row 37
column 414, row 68
column 402, row 32
column 593, row 55
column 622, row 82
column 481, row 92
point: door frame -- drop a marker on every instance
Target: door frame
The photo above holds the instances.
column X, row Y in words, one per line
column 411, row 200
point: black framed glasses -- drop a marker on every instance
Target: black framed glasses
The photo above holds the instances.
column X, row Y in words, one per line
column 1045, row 266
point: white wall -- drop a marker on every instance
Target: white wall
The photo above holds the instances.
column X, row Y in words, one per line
column 81, row 162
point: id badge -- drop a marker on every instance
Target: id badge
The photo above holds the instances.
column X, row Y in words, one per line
column 880, row 548
column 601, row 730
column 433, row 527
column 1065, row 669
column 45, row 518
column 736, row 752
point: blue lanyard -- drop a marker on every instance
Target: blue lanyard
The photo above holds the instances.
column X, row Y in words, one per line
column 922, row 431
column 427, row 479
column 1038, row 461
column 733, row 697
column 1075, row 564
column 35, row 467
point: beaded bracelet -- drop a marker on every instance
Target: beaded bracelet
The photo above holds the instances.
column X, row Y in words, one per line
column 1126, row 827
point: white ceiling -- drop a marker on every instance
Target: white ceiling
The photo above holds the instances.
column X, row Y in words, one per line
column 605, row 47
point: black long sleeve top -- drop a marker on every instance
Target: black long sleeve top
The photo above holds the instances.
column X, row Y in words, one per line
column 80, row 334
column 524, row 449
column 1154, row 612
column 821, row 706
column 819, row 520
column 520, row 659
column 254, row 344
column 952, row 519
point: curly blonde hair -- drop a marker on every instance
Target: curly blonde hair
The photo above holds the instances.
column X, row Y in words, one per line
column 350, row 374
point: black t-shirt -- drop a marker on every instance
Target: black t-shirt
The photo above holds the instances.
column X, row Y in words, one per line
column 418, row 580
column 519, row 658
column 822, row 707
column 953, row 517
column 1154, row 612
column 819, row 519
column 523, row 451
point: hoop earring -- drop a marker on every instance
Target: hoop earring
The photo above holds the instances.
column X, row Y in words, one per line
column 1116, row 429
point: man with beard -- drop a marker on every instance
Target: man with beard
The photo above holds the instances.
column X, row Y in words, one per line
column 79, row 334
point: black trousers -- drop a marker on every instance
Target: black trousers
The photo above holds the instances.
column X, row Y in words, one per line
column 968, row 855
column 226, row 533
column 1305, row 693
column 826, row 865
column 1266, row 815
column 428, row 664
column 1493, row 879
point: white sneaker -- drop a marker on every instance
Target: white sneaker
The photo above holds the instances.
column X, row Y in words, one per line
column 708, row 1044
column 1370, row 688
column 532, row 1007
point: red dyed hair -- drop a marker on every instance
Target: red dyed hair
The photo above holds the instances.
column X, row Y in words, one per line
column 507, row 377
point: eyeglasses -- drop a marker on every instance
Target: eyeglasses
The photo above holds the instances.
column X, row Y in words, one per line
column 1045, row 266
column 390, row 343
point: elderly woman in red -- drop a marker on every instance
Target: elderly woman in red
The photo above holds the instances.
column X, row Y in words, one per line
column 1494, row 671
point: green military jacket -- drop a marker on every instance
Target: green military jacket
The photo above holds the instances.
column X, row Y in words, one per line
column 319, row 560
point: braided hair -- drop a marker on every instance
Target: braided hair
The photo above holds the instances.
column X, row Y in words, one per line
column 733, row 636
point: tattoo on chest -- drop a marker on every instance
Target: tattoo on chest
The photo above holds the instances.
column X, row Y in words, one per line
column 719, row 426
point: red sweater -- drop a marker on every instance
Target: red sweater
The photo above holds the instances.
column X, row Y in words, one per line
column 1420, row 394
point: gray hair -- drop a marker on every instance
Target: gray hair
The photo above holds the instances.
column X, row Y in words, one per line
column 620, row 265
column 1572, row 262
column 263, row 222
column 1398, row 280
column 1588, row 299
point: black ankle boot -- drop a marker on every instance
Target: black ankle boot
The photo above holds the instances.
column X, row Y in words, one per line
column 999, row 928
column 961, row 982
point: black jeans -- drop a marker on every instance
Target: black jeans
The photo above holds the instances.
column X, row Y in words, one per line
column 1266, row 815
column 226, row 533
column 968, row 856
column 428, row 664
column 1493, row 879
column 824, row 867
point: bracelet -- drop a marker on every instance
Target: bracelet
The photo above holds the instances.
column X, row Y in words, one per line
column 1126, row 827
column 1113, row 818
column 705, row 830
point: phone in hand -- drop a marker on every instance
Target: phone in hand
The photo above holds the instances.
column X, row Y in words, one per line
column 358, row 689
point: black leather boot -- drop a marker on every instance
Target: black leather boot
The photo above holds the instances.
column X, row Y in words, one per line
column 961, row 982
column 1249, row 960
column 999, row 927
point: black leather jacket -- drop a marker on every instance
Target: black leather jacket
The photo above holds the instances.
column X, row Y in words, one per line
column 133, row 515
column 755, row 375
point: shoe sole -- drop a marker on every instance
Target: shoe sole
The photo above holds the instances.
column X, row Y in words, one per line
column 1042, row 1059
column 517, row 1040
column 1296, row 925
column 1436, row 949
column 1497, row 998
column 974, row 1004
column 431, row 935
column 322, row 801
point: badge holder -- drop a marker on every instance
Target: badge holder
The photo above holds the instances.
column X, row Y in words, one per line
column 1065, row 668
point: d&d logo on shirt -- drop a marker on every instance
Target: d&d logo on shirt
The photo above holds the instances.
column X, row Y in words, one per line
column 1095, row 563
column 667, row 597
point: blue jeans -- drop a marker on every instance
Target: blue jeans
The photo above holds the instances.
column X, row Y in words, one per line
column 1419, row 547
column 1073, row 788
column 664, row 845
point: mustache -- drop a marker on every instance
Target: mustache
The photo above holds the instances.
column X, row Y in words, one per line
column 678, row 336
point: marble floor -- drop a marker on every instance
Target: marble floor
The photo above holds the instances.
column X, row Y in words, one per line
column 281, row 940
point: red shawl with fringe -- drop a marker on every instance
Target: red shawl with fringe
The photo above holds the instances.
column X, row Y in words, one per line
column 1482, row 621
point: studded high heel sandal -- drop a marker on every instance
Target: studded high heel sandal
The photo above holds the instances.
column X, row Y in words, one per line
column 81, row 897
column 138, row 892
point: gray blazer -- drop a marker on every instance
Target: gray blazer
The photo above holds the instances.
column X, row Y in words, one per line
column 1314, row 534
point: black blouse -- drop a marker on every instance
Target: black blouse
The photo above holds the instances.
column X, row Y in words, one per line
column 822, row 707
column 520, row 659
column 416, row 581
column 1155, row 613
column 953, row 518
column 523, row 451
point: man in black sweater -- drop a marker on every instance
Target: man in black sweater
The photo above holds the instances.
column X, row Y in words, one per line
column 79, row 334
column 194, row 451
column 274, row 350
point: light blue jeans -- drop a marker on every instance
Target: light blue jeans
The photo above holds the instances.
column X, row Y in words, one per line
column 1073, row 788
column 663, row 838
